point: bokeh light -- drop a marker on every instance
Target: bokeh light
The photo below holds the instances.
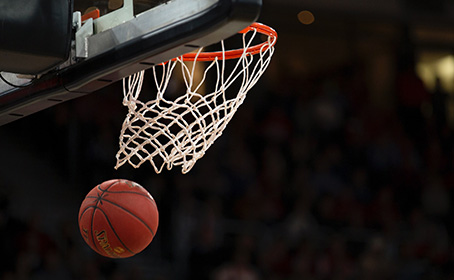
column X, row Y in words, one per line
column 306, row 17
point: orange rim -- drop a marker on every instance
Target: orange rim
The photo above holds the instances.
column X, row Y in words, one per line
column 232, row 54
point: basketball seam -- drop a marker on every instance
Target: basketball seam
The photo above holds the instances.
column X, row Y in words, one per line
column 93, row 216
column 111, row 185
column 132, row 214
column 107, row 218
column 118, row 237
column 93, row 232
column 91, row 229
column 86, row 208
column 130, row 192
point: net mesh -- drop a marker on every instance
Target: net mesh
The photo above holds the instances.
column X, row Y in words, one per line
column 168, row 131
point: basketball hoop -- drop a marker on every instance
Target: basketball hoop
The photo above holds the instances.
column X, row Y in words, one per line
column 177, row 132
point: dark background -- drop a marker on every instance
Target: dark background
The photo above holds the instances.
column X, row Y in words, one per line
column 339, row 165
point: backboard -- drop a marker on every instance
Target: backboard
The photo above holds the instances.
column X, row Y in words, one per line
column 127, row 37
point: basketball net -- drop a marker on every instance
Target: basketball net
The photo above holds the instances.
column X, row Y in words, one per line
column 178, row 131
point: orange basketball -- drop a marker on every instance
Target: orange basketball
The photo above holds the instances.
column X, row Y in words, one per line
column 118, row 218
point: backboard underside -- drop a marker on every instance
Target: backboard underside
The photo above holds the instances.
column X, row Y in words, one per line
column 105, row 56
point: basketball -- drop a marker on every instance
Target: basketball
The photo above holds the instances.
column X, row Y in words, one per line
column 118, row 218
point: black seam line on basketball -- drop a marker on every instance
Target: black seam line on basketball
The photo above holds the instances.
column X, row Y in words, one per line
column 86, row 208
column 111, row 185
column 100, row 196
column 118, row 237
column 138, row 193
column 132, row 214
column 93, row 233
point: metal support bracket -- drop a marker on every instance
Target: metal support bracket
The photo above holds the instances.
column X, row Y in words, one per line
column 85, row 31
column 116, row 17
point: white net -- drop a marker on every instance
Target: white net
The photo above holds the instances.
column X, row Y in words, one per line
column 168, row 131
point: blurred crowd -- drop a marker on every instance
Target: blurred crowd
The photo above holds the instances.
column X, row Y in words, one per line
column 310, row 180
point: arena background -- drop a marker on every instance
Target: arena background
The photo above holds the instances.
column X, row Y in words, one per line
column 339, row 165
